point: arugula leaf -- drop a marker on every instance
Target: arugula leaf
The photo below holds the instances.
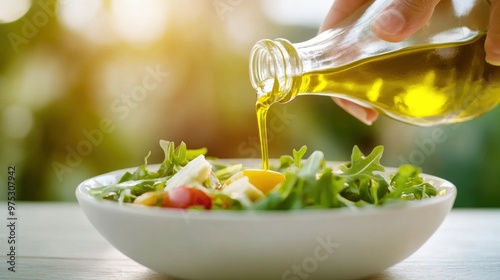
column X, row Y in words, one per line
column 363, row 184
column 324, row 194
column 176, row 157
column 299, row 183
column 142, row 172
column 312, row 165
column 298, row 155
column 287, row 161
column 407, row 184
column 126, row 177
column 223, row 172
column 221, row 201
column 363, row 165
column 272, row 201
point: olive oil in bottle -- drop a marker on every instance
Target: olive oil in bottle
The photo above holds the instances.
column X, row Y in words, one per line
column 436, row 76
column 430, row 85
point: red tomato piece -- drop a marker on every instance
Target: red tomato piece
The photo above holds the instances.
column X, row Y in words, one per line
column 185, row 197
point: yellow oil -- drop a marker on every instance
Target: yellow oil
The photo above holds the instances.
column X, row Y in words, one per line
column 425, row 86
column 262, row 109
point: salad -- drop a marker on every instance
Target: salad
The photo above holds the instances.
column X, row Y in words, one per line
column 188, row 179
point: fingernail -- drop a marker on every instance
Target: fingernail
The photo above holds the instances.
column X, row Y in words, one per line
column 493, row 57
column 389, row 22
column 493, row 62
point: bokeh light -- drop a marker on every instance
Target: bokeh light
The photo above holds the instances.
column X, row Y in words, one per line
column 17, row 121
column 139, row 22
column 12, row 10
column 299, row 12
column 76, row 15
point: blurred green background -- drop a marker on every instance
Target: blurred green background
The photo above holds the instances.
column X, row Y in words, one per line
column 88, row 87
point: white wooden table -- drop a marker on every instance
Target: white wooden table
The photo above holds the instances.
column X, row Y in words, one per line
column 55, row 241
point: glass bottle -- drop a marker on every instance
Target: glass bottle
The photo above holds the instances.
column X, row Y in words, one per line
column 438, row 75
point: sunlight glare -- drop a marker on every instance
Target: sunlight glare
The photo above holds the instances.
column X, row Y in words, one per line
column 300, row 12
column 17, row 121
column 137, row 21
column 76, row 15
column 12, row 10
column 462, row 7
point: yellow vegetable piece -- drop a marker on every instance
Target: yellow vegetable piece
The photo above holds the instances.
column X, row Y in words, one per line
column 264, row 180
column 150, row 198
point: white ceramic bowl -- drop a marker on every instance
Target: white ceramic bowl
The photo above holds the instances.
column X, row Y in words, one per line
column 313, row 244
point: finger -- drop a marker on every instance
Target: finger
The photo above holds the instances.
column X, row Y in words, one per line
column 340, row 10
column 492, row 44
column 402, row 18
column 365, row 115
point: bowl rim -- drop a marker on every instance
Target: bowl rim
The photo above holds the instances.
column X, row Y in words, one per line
column 83, row 197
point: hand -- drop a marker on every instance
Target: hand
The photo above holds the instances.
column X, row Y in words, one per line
column 397, row 22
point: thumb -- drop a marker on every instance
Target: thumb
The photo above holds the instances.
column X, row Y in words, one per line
column 402, row 18
column 492, row 44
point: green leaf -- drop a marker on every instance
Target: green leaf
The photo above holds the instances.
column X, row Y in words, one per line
column 338, row 185
column 312, row 165
column 166, row 167
column 224, row 173
column 271, row 202
column 363, row 165
column 194, row 153
column 285, row 162
column 424, row 190
column 176, row 157
column 180, row 154
column 362, row 180
column 142, row 172
column 373, row 190
column 407, row 184
column 351, row 193
column 325, row 195
column 298, row 155
column 126, row 177
column 406, row 177
column 224, row 202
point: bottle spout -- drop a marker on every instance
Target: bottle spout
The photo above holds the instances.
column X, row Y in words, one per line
column 275, row 68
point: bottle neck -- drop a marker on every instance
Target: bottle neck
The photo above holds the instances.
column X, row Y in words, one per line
column 275, row 69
